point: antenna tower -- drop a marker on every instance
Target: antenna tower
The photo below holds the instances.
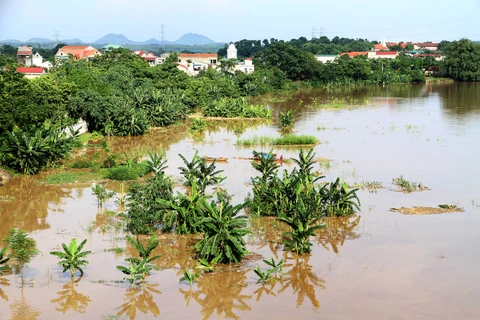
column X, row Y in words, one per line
column 56, row 35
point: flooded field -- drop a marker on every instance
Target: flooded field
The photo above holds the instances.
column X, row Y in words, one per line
column 378, row 264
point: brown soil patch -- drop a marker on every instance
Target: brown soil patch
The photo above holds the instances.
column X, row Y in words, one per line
column 427, row 210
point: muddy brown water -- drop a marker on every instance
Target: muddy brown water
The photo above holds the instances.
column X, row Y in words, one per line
column 376, row 265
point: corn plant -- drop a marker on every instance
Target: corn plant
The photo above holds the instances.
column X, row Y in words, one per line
column 136, row 271
column 287, row 119
column 190, row 277
column 22, row 248
column 223, row 231
column 144, row 251
column 72, row 257
column 3, row 260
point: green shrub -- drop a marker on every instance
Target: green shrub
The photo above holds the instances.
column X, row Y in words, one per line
column 198, row 125
column 231, row 108
column 286, row 119
column 128, row 173
column 84, row 163
column 286, row 140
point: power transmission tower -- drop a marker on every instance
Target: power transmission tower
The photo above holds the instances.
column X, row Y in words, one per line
column 314, row 32
column 56, row 35
column 162, row 35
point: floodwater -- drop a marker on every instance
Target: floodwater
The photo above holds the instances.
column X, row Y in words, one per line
column 375, row 265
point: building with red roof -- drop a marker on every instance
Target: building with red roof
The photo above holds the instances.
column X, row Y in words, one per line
column 199, row 58
column 426, row 46
column 77, row 53
column 354, row 53
column 31, row 72
column 382, row 54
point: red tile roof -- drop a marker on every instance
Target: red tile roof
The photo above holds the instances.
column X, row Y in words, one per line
column 249, row 59
column 355, row 53
column 197, row 55
column 380, row 47
column 24, row 50
column 78, row 51
column 30, row 70
column 386, row 53
column 150, row 58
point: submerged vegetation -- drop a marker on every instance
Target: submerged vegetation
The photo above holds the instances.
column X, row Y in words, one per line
column 72, row 257
column 286, row 140
column 408, row 186
column 286, row 120
column 235, row 107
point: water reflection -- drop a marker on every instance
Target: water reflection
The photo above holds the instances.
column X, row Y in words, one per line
column 4, row 282
column 140, row 299
column 220, row 293
column 459, row 99
column 30, row 205
column 266, row 289
column 337, row 231
column 301, row 279
column 70, row 298
column 267, row 231
column 21, row 310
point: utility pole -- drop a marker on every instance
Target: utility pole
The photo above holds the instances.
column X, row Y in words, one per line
column 321, row 32
column 56, row 35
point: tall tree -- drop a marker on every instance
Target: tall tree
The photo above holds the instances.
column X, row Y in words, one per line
column 462, row 60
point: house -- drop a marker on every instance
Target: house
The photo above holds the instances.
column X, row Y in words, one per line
column 24, row 55
column 149, row 57
column 379, row 47
column 324, row 58
column 382, row 54
column 403, row 45
column 245, row 66
column 209, row 59
column 437, row 57
column 355, row 53
column 77, row 53
column 426, row 46
column 31, row 72
column 110, row 47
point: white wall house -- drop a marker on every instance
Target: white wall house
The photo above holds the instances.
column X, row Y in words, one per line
column 231, row 51
column 245, row 66
column 324, row 58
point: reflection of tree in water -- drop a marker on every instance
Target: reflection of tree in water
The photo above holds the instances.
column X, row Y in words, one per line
column 21, row 310
column 267, row 231
column 459, row 100
column 301, row 279
column 235, row 125
column 29, row 208
column 220, row 292
column 337, row 231
column 175, row 251
column 140, row 299
column 266, row 288
column 4, row 283
column 69, row 298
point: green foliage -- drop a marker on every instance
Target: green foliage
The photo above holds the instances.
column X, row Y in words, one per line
column 199, row 124
column 287, row 119
column 267, row 275
column 190, row 277
column 144, row 214
column 462, row 60
column 123, row 173
column 72, row 257
column 198, row 172
column 223, row 231
column 3, row 260
column 408, row 186
column 136, row 271
column 29, row 152
column 22, row 248
column 231, row 108
column 285, row 140
column 144, row 251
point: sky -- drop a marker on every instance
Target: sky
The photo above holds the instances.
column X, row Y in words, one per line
column 232, row 20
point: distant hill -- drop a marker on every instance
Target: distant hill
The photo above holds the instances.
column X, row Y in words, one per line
column 114, row 38
column 12, row 42
column 194, row 39
column 71, row 41
column 39, row 40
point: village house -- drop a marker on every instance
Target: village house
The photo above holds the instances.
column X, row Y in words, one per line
column 245, row 66
column 355, row 53
column 24, row 55
column 31, row 72
column 382, row 54
column 149, row 57
column 324, row 58
column 203, row 59
column 425, row 46
column 77, row 53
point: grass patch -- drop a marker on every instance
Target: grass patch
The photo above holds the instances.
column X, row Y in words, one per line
column 408, row 186
column 74, row 176
column 371, row 186
column 286, row 140
column 128, row 172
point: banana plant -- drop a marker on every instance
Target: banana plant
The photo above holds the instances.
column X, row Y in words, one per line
column 102, row 194
column 72, row 257
column 144, row 251
column 190, row 277
column 264, row 276
column 207, row 266
column 287, row 119
column 276, row 266
column 3, row 260
column 136, row 271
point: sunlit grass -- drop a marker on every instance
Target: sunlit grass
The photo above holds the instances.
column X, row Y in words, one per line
column 286, row 140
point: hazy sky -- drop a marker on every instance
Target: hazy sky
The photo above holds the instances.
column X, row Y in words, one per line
column 227, row 20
